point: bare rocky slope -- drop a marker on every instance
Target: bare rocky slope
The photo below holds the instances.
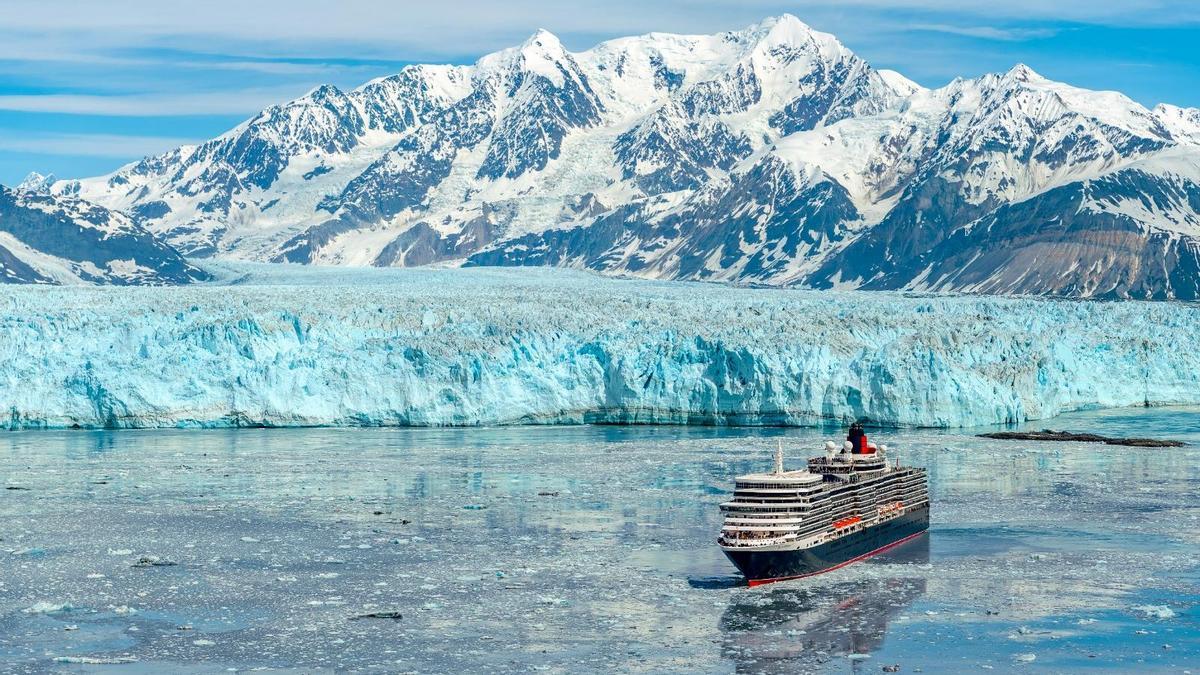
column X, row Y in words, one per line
column 64, row 240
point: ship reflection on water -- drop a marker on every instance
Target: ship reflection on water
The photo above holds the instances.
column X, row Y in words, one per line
column 793, row 627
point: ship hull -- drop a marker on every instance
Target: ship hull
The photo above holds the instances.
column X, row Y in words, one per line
column 761, row 567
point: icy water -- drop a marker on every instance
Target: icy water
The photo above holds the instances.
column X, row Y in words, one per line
column 579, row 549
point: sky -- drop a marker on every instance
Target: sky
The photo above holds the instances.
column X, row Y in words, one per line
column 88, row 86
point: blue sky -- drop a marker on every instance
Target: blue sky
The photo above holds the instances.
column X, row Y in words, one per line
column 87, row 86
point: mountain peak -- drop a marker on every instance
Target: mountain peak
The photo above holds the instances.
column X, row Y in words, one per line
column 784, row 28
column 1023, row 73
column 36, row 182
column 785, row 21
column 898, row 82
column 542, row 38
column 541, row 53
column 788, row 32
column 1176, row 111
column 542, row 44
column 1180, row 122
column 323, row 92
column 538, row 53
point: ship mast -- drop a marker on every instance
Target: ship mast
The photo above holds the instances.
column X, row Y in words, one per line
column 779, row 458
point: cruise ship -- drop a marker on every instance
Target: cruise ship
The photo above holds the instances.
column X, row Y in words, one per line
column 850, row 504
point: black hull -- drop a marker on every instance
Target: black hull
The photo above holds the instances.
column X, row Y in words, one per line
column 765, row 566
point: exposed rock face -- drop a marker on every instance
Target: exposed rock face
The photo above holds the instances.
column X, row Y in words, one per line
column 770, row 155
column 53, row 240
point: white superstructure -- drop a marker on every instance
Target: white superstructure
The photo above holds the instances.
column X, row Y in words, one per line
column 838, row 494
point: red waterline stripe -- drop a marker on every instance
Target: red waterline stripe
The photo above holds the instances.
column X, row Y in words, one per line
column 894, row 544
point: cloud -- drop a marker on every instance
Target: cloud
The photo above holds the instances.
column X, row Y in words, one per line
column 1120, row 13
column 89, row 145
column 987, row 32
column 426, row 30
column 231, row 102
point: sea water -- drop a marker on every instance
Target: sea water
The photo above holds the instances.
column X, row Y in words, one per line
column 581, row 549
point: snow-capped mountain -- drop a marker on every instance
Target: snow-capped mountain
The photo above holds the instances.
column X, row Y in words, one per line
column 770, row 155
column 64, row 240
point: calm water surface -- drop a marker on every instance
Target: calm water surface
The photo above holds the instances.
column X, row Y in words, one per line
column 580, row 549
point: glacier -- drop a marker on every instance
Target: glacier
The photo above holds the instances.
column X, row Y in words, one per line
column 271, row 345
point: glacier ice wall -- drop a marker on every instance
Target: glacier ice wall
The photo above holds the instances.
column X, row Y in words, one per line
column 499, row 346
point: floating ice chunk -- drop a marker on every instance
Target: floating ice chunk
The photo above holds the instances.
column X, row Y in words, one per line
column 49, row 608
column 203, row 643
column 1025, row 658
column 120, row 551
column 95, row 660
column 249, row 539
column 33, row 552
column 1155, row 611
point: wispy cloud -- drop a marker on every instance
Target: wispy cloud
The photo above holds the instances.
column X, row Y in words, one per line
column 387, row 28
column 987, row 32
column 89, row 145
column 235, row 102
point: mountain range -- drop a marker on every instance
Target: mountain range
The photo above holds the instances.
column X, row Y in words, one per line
column 46, row 239
column 771, row 155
